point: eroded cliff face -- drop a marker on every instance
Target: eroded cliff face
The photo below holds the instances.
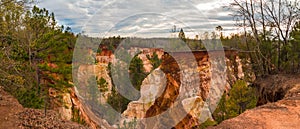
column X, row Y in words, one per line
column 197, row 90
column 275, row 87
column 160, row 91
column 152, row 87
column 62, row 103
column 85, row 114
column 68, row 104
column 99, row 71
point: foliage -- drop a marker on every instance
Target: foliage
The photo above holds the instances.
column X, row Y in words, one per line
column 35, row 52
column 181, row 35
column 29, row 98
column 267, row 26
column 129, row 125
column 76, row 116
column 220, row 114
column 207, row 123
column 295, row 48
column 155, row 61
column 137, row 74
column 117, row 101
column 102, row 84
column 93, row 89
column 240, row 98
column 195, row 44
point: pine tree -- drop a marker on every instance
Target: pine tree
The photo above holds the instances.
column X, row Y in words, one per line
column 295, row 45
column 181, row 35
column 102, row 86
column 137, row 74
column 155, row 61
column 241, row 97
column 36, row 49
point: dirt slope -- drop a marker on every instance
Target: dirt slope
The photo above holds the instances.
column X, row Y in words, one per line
column 13, row 115
column 8, row 107
column 284, row 114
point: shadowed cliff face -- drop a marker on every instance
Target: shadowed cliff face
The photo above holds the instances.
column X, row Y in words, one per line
column 175, row 80
column 168, row 98
column 69, row 105
column 275, row 88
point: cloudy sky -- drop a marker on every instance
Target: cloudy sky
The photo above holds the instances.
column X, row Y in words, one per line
column 141, row 18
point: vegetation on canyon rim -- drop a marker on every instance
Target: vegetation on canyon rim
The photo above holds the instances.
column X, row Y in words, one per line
column 36, row 53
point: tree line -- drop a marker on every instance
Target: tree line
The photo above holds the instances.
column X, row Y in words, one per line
column 36, row 53
column 271, row 30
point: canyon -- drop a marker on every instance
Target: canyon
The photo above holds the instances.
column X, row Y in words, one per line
column 160, row 89
column 181, row 93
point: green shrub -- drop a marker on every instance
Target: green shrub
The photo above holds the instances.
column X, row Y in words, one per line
column 240, row 98
column 29, row 98
column 207, row 123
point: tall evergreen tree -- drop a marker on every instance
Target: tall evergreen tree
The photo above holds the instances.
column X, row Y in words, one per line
column 181, row 35
column 295, row 47
column 35, row 49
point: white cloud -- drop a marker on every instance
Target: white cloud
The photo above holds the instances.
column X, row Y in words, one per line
column 151, row 18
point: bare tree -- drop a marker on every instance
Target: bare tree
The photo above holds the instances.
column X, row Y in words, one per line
column 283, row 17
column 267, row 19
